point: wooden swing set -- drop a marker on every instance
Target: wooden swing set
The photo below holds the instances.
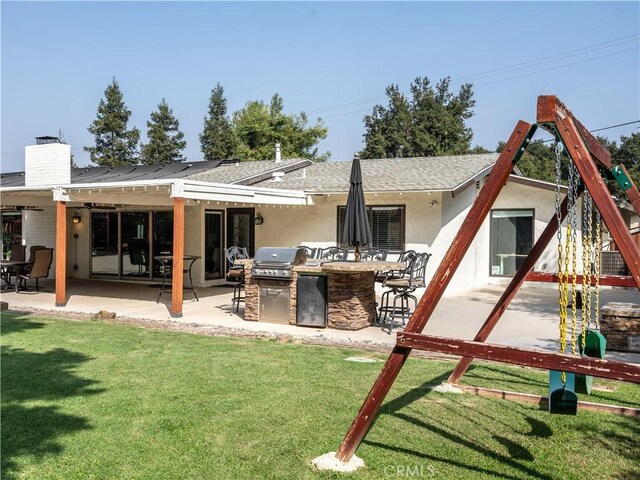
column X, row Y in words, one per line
column 591, row 162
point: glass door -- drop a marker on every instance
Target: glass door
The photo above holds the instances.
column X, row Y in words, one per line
column 135, row 244
column 241, row 228
column 104, row 243
column 213, row 243
column 162, row 238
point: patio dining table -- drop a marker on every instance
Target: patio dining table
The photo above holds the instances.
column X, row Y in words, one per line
column 166, row 262
column 6, row 266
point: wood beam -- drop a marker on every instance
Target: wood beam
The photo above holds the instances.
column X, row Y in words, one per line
column 607, row 280
column 178, row 260
column 544, row 401
column 601, row 197
column 512, row 151
column 61, row 254
column 626, row 372
column 512, row 289
column 550, row 108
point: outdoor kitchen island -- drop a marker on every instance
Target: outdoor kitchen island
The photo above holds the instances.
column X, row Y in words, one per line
column 351, row 301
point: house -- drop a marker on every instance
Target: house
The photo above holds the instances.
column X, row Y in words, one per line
column 116, row 219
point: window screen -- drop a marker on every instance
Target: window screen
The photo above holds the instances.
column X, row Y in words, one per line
column 387, row 226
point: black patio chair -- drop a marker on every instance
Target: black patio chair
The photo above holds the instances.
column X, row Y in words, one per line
column 235, row 273
column 406, row 258
column 39, row 269
column 402, row 289
column 333, row 253
column 309, row 251
column 373, row 255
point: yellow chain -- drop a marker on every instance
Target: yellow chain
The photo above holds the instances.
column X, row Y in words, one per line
column 563, row 287
column 596, row 305
column 574, row 294
column 586, row 271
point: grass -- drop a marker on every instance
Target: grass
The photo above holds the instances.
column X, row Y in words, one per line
column 92, row 400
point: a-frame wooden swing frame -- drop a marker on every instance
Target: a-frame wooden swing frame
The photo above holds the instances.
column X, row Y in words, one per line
column 591, row 160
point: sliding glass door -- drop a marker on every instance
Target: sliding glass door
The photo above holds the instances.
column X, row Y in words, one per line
column 123, row 244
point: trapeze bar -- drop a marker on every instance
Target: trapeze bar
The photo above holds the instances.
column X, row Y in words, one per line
column 626, row 372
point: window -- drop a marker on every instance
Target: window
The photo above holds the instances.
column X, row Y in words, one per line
column 387, row 226
column 511, row 240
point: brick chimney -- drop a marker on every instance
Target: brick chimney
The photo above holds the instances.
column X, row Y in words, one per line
column 47, row 163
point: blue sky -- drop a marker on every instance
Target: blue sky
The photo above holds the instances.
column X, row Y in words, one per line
column 57, row 59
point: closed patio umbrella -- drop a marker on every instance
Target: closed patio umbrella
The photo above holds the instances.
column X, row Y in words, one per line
column 357, row 231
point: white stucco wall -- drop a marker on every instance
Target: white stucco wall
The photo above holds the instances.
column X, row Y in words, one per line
column 39, row 228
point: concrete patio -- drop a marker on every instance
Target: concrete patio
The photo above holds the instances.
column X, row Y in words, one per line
column 530, row 322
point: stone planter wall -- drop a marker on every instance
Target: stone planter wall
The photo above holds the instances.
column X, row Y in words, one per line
column 351, row 300
column 620, row 325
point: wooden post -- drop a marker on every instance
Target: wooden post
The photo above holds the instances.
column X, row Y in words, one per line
column 178, row 260
column 512, row 289
column 486, row 198
column 61, row 254
column 625, row 372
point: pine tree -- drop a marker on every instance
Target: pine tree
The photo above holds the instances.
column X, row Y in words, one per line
column 429, row 123
column 165, row 138
column 114, row 143
column 216, row 139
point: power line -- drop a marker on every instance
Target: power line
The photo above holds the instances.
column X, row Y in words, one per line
column 609, row 44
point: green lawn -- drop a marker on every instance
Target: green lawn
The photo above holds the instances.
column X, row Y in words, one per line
column 92, row 400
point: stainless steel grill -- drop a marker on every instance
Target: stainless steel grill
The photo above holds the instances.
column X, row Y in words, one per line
column 276, row 262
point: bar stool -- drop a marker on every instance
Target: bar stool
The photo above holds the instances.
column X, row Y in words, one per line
column 236, row 274
column 402, row 289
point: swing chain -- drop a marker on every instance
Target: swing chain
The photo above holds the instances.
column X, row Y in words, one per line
column 587, row 262
column 562, row 262
column 598, row 247
column 574, row 179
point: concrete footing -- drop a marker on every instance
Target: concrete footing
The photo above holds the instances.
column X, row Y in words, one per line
column 329, row 461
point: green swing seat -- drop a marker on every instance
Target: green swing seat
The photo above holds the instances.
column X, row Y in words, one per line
column 595, row 346
column 562, row 397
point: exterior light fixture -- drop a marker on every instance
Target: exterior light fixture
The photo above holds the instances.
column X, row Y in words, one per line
column 259, row 220
column 76, row 218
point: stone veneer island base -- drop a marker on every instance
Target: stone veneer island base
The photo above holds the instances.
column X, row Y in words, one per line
column 351, row 292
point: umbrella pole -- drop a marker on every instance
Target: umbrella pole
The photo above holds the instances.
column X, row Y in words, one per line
column 357, row 253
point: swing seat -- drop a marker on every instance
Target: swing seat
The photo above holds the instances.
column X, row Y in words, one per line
column 584, row 384
column 562, row 397
column 595, row 344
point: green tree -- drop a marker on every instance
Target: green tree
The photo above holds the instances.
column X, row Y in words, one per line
column 166, row 141
column 216, row 139
column 115, row 144
column 431, row 122
column 258, row 127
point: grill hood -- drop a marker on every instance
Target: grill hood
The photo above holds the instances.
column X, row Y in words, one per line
column 279, row 256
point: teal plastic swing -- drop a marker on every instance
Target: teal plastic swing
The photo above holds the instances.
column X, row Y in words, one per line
column 595, row 346
column 562, row 397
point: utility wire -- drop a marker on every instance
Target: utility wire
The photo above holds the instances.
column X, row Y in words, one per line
column 609, row 44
